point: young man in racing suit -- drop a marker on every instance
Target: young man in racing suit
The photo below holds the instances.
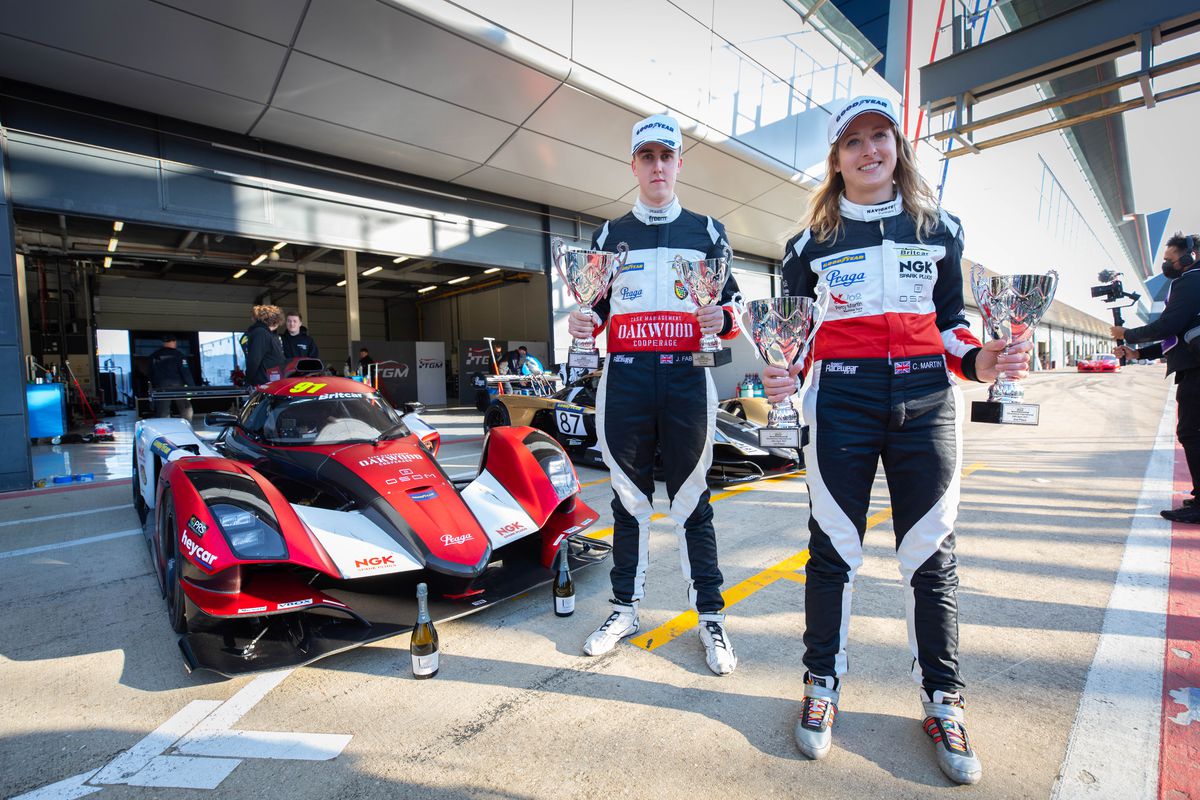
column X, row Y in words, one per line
column 651, row 394
column 881, row 386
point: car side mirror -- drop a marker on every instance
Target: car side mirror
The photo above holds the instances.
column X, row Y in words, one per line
column 222, row 419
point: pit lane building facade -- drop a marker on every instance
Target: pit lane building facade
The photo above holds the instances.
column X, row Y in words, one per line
column 396, row 169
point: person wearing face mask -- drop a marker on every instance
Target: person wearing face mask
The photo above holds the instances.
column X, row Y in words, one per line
column 882, row 387
column 652, row 394
column 1176, row 335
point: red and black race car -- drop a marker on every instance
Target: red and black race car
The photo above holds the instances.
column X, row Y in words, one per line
column 1099, row 362
column 304, row 527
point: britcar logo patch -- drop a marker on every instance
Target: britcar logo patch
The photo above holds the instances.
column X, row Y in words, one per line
column 198, row 527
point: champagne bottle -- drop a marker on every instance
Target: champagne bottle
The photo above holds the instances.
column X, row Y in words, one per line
column 424, row 647
column 564, row 587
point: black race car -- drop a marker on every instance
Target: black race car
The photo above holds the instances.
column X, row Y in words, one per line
column 569, row 415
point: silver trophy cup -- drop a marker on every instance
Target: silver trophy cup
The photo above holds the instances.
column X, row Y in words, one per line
column 587, row 275
column 705, row 281
column 1012, row 306
column 782, row 330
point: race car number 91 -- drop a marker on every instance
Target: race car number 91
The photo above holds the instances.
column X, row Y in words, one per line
column 569, row 422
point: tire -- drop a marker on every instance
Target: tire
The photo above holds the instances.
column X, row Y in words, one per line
column 176, row 600
column 139, row 505
column 481, row 400
column 496, row 416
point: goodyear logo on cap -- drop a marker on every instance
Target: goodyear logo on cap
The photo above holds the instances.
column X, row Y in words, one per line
column 637, row 267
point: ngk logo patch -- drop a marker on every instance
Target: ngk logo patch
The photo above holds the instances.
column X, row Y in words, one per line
column 512, row 529
column 374, row 562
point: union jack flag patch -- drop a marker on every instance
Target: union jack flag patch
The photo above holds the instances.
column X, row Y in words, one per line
column 902, row 367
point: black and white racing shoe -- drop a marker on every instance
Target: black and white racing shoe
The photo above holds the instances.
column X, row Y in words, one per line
column 814, row 728
column 621, row 623
column 718, row 650
column 944, row 715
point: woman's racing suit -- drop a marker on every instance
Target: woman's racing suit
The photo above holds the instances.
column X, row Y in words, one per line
column 881, row 386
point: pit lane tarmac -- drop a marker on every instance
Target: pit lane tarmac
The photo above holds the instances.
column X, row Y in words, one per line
column 1062, row 625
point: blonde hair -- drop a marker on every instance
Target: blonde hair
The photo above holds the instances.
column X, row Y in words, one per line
column 824, row 215
column 268, row 315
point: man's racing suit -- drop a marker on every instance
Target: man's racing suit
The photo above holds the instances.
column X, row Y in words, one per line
column 650, row 394
column 880, row 386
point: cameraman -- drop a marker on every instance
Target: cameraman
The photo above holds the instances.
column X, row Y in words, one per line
column 1177, row 333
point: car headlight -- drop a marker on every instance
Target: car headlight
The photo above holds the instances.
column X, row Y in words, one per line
column 249, row 535
column 562, row 476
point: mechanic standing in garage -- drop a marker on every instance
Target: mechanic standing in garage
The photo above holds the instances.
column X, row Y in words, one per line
column 882, row 388
column 651, row 396
column 296, row 341
column 264, row 352
column 170, row 370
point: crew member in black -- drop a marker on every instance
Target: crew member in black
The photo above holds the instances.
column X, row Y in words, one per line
column 1178, row 328
column 364, row 361
column 296, row 341
column 264, row 352
column 170, row 370
column 652, row 394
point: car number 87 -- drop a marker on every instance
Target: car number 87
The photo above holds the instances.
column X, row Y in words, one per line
column 569, row 422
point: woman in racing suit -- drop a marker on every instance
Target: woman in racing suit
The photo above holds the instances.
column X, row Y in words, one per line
column 881, row 386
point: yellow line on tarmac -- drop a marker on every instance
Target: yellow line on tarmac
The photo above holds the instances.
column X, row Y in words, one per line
column 788, row 569
column 745, row 487
column 594, row 483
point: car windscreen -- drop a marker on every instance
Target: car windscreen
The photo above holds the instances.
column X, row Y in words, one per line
column 332, row 418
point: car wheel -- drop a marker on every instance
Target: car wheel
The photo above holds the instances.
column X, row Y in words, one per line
column 139, row 505
column 176, row 600
column 496, row 416
column 481, row 400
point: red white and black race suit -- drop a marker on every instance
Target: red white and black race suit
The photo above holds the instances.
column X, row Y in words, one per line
column 881, row 386
column 650, row 394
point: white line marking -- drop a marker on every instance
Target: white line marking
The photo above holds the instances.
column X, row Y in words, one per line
column 1113, row 751
column 67, row 789
column 184, row 772
column 214, row 735
column 72, row 543
column 64, row 515
column 133, row 760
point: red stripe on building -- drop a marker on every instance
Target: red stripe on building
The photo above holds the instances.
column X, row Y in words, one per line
column 1179, row 766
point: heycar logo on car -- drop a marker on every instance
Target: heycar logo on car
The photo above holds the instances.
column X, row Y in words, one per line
column 197, row 552
column 429, row 363
column 374, row 561
column 389, row 458
column 421, row 497
column 449, row 539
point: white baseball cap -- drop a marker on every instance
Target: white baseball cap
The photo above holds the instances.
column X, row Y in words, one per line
column 856, row 106
column 657, row 128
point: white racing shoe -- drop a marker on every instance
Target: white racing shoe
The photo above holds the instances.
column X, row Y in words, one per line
column 621, row 623
column 944, row 715
column 718, row 650
column 814, row 728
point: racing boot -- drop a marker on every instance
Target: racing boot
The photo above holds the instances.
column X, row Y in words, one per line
column 944, row 714
column 621, row 623
column 718, row 650
column 814, row 734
